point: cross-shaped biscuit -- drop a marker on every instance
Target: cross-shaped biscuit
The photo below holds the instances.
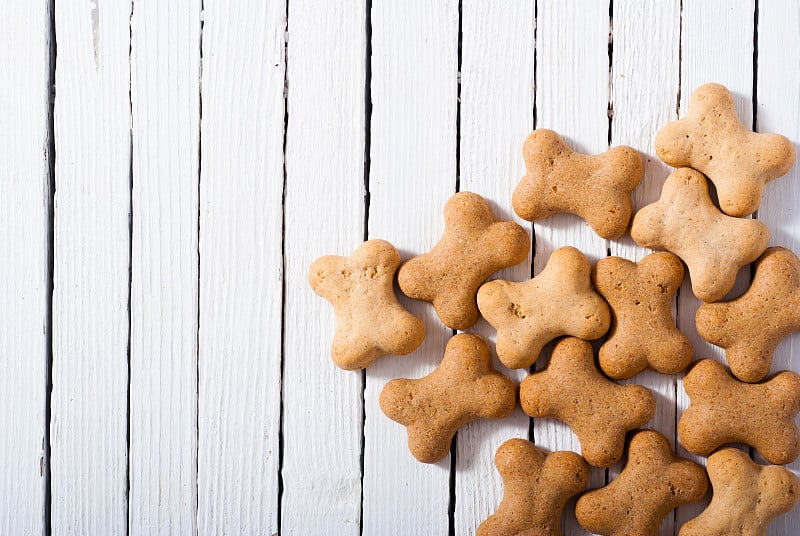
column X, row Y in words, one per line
column 751, row 326
column 643, row 334
column 711, row 139
column 536, row 486
column 724, row 410
column 370, row 322
column 597, row 409
column 558, row 301
column 713, row 246
column 462, row 388
column 653, row 483
column 596, row 188
column 747, row 496
column 474, row 245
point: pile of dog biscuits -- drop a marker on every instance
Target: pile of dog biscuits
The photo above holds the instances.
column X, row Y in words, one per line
column 572, row 302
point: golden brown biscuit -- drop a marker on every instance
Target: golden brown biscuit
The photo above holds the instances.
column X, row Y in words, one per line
column 474, row 245
column 597, row 409
column 536, row 486
column 712, row 140
column 751, row 326
column 643, row 334
column 596, row 188
column 463, row 387
column 724, row 410
column 713, row 246
column 747, row 496
column 653, row 483
column 370, row 322
column 558, row 301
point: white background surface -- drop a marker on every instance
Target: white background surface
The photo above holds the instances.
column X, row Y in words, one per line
column 164, row 366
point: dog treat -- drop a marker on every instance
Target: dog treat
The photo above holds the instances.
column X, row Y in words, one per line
column 558, row 301
column 643, row 334
column 747, row 496
column 724, row 410
column 370, row 322
column 750, row 327
column 474, row 245
column 597, row 409
column 713, row 246
column 596, row 188
column 653, row 483
column 536, row 486
column 711, row 139
column 463, row 387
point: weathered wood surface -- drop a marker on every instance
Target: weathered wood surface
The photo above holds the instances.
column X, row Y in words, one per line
column 164, row 365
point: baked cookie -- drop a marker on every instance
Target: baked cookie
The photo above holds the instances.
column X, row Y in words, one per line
column 558, row 301
column 643, row 334
column 536, row 486
column 750, row 327
column 474, row 245
column 653, row 483
column 713, row 246
column 747, row 496
column 712, row 140
column 597, row 409
column 463, row 387
column 370, row 322
column 596, row 188
column 724, row 410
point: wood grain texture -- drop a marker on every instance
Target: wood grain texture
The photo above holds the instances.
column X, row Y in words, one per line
column 91, row 272
column 644, row 86
column 496, row 116
column 572, row 95
column 24, row 272
column 241, row 184
column 413, row 173
column 191, row 233
column 165, row 104
column 325, row 204
column 719, row 51
column 778, row 110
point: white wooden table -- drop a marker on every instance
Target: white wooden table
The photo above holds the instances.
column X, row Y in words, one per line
column 164, row 366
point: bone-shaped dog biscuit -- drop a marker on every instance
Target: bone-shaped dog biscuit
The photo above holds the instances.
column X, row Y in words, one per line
column 474, row 245
column 462, row 388
column 747, row 496
column 643, row 334
column 536, row 486
column 597, row 409
column 751, row 326
column 653, row 483
column 713, row 246
column 370, row 322
column 711, row 139
column 558, row 301
column 724, row 410
column 596, row 188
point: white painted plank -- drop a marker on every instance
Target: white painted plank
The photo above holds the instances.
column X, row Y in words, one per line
column 322, row 405
column 645, row 83
column 165, row 100
column 572, row 94
column 91, row 272
column 241, row 184
column 413, row 173
column 496, row 116
column 24, row 272
column 778, row 110
column 719, row 51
